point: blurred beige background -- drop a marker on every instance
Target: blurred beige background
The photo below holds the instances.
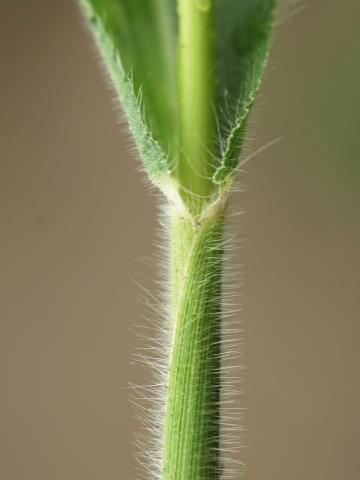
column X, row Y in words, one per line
column 77, row 227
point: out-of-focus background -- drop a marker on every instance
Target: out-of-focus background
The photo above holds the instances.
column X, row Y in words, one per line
column 78, row 227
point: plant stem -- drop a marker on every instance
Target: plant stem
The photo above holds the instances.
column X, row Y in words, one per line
column 191, row 426
column 196, row 79
column 191, row 430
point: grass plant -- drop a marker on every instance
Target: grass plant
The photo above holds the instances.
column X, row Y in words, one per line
column 186, row 73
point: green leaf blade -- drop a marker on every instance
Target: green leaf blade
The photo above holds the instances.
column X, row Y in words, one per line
column 137, row 41
column 243, row 34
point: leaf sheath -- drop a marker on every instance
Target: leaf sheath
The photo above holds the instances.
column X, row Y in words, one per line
column 191, row 430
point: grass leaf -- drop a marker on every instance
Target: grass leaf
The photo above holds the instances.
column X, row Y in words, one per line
column 243, row 34
column 137, row 41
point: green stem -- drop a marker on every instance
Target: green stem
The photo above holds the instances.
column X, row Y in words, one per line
column 196, row 80
column 192, row 418
column 191, row 430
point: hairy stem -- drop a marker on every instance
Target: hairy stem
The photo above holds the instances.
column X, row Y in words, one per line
column 191, row 430
column 196, row 79
column 171, row 73
column 191, row 426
